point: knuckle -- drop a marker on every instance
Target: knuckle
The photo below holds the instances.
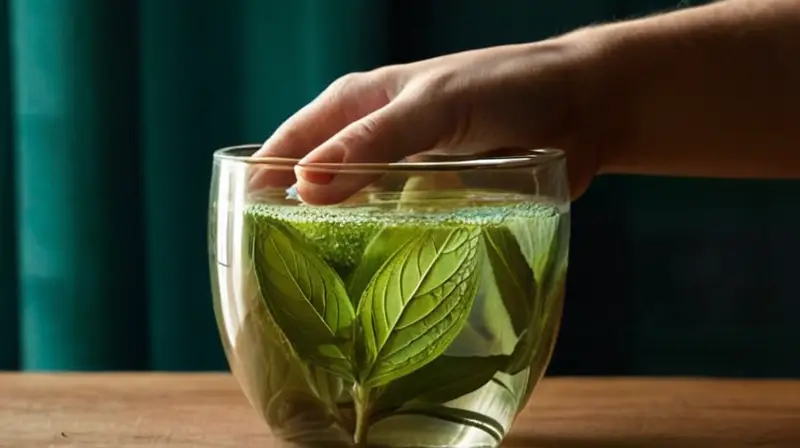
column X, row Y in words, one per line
column 388, row 80
column 368, row 126
column 294, row 136
column 360, row 135
column 448, row 101
column 438, row 85
column 347, row 83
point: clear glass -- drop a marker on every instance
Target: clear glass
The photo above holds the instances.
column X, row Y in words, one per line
column 421, row 311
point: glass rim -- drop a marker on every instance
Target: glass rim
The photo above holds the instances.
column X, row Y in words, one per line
column 506, row 158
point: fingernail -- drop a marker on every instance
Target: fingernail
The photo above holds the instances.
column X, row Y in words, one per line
column 331, row 154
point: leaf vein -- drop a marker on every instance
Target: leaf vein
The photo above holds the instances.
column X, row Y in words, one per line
column 444, row 298
column 454, row 303
column 395, row 367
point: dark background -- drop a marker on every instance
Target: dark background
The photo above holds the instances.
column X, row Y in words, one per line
column 109, row 112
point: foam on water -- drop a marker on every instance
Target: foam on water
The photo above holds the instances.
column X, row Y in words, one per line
column 341, row 234
column 474, row 214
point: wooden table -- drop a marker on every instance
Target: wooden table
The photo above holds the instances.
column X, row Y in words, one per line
column 207, row 410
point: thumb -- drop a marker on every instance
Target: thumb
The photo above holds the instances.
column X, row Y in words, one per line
column 389, row 134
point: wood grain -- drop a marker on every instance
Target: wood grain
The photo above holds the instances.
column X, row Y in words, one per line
column 208, row 410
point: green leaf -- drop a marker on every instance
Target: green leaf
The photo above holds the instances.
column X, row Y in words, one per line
column 523, row 353
column 259, row 362
column 443, row 379
column 513, row 276
column 457, row 416
column 305, row 297
column 328, row 387
column 379, row 250
column 543, row 350
column 554, row 272
column 293, row 397
column 536, row 342
column 273, row 379
column 545, row 246
column 417, row 303
column 540, row 241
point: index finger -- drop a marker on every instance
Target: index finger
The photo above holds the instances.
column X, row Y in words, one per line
column 345, row 101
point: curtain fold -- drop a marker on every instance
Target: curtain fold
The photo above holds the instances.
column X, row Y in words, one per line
column 9, row 326
column 77, row 176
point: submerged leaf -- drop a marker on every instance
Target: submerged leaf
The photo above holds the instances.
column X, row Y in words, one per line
column 539, row 357
column 305, row 297
column 290, row 395
column 544, row 244
column 458, row 416
column 513, row 276
column 417, row 303
column 535, row 238
column 537, row 341
column 273, row 379
column 379, row 250
column 554, row 270
column 547, row 249
column 444, row 379
column 328, row 387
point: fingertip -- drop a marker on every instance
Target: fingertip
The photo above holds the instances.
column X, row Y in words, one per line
column 310, row 193
column 373, row 139
column 327, row 153
column 265, row 177
column 282, row 143
column 314, row 177
column 341, row 187
column 263, row 150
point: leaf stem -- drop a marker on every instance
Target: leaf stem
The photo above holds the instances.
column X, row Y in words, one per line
column 362, row 406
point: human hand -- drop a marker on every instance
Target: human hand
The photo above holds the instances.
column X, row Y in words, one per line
column 516, row 96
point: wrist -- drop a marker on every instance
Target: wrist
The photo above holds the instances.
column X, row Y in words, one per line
column 648, row 87
column 624, row 73
column 590, row 80
column 606, row 73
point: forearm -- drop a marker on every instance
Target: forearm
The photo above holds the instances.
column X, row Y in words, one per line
column 710, row 91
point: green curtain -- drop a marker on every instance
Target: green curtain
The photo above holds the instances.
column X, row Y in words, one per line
column 9, row 327
column 109, row 112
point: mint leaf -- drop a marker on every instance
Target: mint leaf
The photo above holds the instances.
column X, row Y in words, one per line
column 538, row 357
column 459, row 416
column 443, row 379
column 417, row 303
column 537, row 341
column 513, row 276
column 273, row 379
column 538, row 240
column 523, row 353
column 378, row 252
column 328, row 387
column 545, row 247
column 555, row 267
column 305, row 297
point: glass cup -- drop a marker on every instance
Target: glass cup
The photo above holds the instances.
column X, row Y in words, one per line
column 418, row 311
